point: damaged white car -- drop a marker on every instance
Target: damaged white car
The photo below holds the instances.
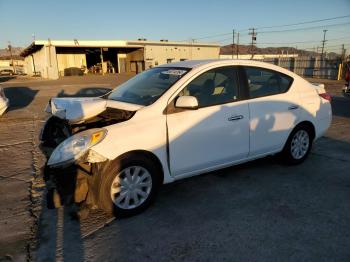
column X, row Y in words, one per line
column 180, row 120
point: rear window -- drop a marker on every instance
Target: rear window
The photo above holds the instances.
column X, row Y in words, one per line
column 265, row 82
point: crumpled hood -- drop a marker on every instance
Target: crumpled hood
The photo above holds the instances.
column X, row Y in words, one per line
column 76, row 110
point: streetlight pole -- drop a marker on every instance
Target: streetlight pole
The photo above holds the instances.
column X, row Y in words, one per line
column 323, row 42
column 10, row 49
column 237, row 49
column 233, row 41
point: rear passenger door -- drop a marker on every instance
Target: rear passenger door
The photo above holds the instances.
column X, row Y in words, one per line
column 273, row 106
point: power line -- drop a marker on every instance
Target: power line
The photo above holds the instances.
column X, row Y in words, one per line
column 275, row 26
column 305, row 28
column 279, row 31
column 211, row 36
column 307, row 22
column 285, row 43
column 301, row 42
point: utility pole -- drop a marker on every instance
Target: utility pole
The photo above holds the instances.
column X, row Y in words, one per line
column 101, row 54
column 10, row 49
column 343, row 53
column 253, row 34
column 49, row 44
column 233, row 41
column 237, row 44
column 323, row 42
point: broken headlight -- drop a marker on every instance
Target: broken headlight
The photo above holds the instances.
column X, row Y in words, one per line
column 76, row 146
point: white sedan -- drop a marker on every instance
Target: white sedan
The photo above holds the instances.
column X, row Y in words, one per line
column 4, row 102
column 184, row 119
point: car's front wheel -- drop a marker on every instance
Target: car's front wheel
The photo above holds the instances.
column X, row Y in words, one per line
column 298, row 145
column 127, row 186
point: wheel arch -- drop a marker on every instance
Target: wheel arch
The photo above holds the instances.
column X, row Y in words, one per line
column 304, row 123
column 147, row 154
column 307, row 124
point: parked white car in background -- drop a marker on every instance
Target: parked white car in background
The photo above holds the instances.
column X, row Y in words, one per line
column 184, row 119
column 4, row 102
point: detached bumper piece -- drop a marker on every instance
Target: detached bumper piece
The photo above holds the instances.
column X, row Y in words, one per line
column 67, row 186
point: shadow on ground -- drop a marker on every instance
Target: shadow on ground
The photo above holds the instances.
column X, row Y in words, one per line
column 341, row 106
column 6, row 78
column 260, row 210
column 20, row 97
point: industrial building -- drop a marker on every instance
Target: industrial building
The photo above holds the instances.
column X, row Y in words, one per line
column 54, row 58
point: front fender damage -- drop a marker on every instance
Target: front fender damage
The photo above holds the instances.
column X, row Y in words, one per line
column 75, row 185
column 91, row 156
column 56, row 129
column 72, row 184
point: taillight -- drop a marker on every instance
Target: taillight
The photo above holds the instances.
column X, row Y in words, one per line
column 326, row 96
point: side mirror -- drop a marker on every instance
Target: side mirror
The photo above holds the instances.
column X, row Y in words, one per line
column 186, row 102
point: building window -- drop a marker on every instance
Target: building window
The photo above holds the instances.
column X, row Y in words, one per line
column 169, row 60
column 183, row 59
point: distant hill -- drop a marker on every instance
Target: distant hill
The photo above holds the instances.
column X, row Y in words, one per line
column 5, row 54
column 245, row 49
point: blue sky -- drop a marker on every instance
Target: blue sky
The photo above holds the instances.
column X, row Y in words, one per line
column 174, row 20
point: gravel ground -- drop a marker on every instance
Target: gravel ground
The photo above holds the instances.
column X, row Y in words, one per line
column 256, row 211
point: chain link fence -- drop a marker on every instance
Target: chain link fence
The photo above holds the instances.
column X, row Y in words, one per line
column 308, row 66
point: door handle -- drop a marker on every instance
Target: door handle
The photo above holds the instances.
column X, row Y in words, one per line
column 234, row 118
column 293, row 107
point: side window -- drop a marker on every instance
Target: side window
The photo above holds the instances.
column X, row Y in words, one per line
column 265, row 82
column 216, row 86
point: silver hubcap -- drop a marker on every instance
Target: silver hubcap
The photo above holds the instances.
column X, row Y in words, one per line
column 300, row 144
column 131, row 187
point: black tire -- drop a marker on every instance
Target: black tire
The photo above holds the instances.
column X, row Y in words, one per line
column 107, row 173
column 55, row 131
column 287, row 155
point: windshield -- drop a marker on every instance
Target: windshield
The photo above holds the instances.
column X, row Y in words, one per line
column 146, row 87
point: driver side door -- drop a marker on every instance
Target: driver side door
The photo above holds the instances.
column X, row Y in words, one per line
column 214, row 135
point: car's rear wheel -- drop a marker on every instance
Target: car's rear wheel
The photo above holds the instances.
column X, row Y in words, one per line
column 127, row 186
column 298, row 145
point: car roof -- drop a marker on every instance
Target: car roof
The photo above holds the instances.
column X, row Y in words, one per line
column 217, row 62
column 191, row 63
column 198, row 63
